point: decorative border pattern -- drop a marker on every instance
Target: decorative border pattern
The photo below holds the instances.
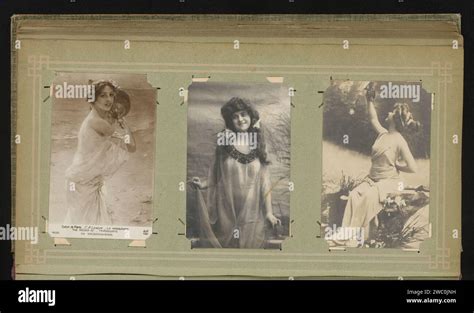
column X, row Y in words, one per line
column 442, row 71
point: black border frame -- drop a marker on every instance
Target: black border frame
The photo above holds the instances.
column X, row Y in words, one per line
column 350, row 293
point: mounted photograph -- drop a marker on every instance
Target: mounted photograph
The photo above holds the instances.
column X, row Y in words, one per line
column 102, row 156
column 376, row 164
column 238, row 165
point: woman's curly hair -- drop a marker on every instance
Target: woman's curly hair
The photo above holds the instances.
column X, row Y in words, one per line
column 403, row 118
column 237, row 104
column 99, row 85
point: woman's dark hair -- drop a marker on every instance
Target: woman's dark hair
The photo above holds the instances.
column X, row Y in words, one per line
column 237, row 104
column 403, row 118
column 101, row 84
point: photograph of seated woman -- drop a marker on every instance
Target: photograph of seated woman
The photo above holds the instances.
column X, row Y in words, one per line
column 390, row 155
column 104, row 142
column 239, row 190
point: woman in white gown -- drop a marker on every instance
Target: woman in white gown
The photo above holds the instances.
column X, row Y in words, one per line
column 101, row 151
column 390, row 156
column 238, row 188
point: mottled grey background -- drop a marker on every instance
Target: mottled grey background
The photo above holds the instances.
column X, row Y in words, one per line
column 205, row 121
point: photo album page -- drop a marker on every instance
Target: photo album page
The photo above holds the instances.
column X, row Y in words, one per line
column 243, row 146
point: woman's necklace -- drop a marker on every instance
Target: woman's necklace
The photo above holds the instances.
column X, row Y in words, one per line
column 239, row 156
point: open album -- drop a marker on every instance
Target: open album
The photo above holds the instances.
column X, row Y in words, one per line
column 244, row 146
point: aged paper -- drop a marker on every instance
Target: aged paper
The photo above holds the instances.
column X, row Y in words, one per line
column 304, row 54
column 101, row 179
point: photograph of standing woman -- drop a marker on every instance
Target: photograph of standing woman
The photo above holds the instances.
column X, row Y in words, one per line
column 104, row 143
column 239, row 201
column 102, row 157
column 372, row 182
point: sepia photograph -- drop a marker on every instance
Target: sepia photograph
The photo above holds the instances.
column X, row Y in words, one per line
column 376, row 164
column 102, row 156
column 238, row 165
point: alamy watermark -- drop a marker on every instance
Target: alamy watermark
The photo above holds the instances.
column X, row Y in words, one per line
column 345, row 234
column 73, row 91
column 19, row 233
column 400, row 91
column 229, row 138
column 28, row 295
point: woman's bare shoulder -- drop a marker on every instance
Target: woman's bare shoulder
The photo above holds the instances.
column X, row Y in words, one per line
column 401, row 140
column 101, row 126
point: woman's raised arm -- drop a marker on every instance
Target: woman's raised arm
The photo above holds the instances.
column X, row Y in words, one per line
column 373, row 118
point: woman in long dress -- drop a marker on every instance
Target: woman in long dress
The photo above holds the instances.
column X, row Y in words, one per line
column 238, row 187
column 104, row 141
column 390, row 156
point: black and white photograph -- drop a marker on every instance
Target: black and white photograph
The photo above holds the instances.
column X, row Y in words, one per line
column 102, row 156
column 376, row 164
column 238, row 165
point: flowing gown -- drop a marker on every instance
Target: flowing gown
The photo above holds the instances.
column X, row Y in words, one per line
column 233, row 216
column 97, row 158
column 366, row 200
